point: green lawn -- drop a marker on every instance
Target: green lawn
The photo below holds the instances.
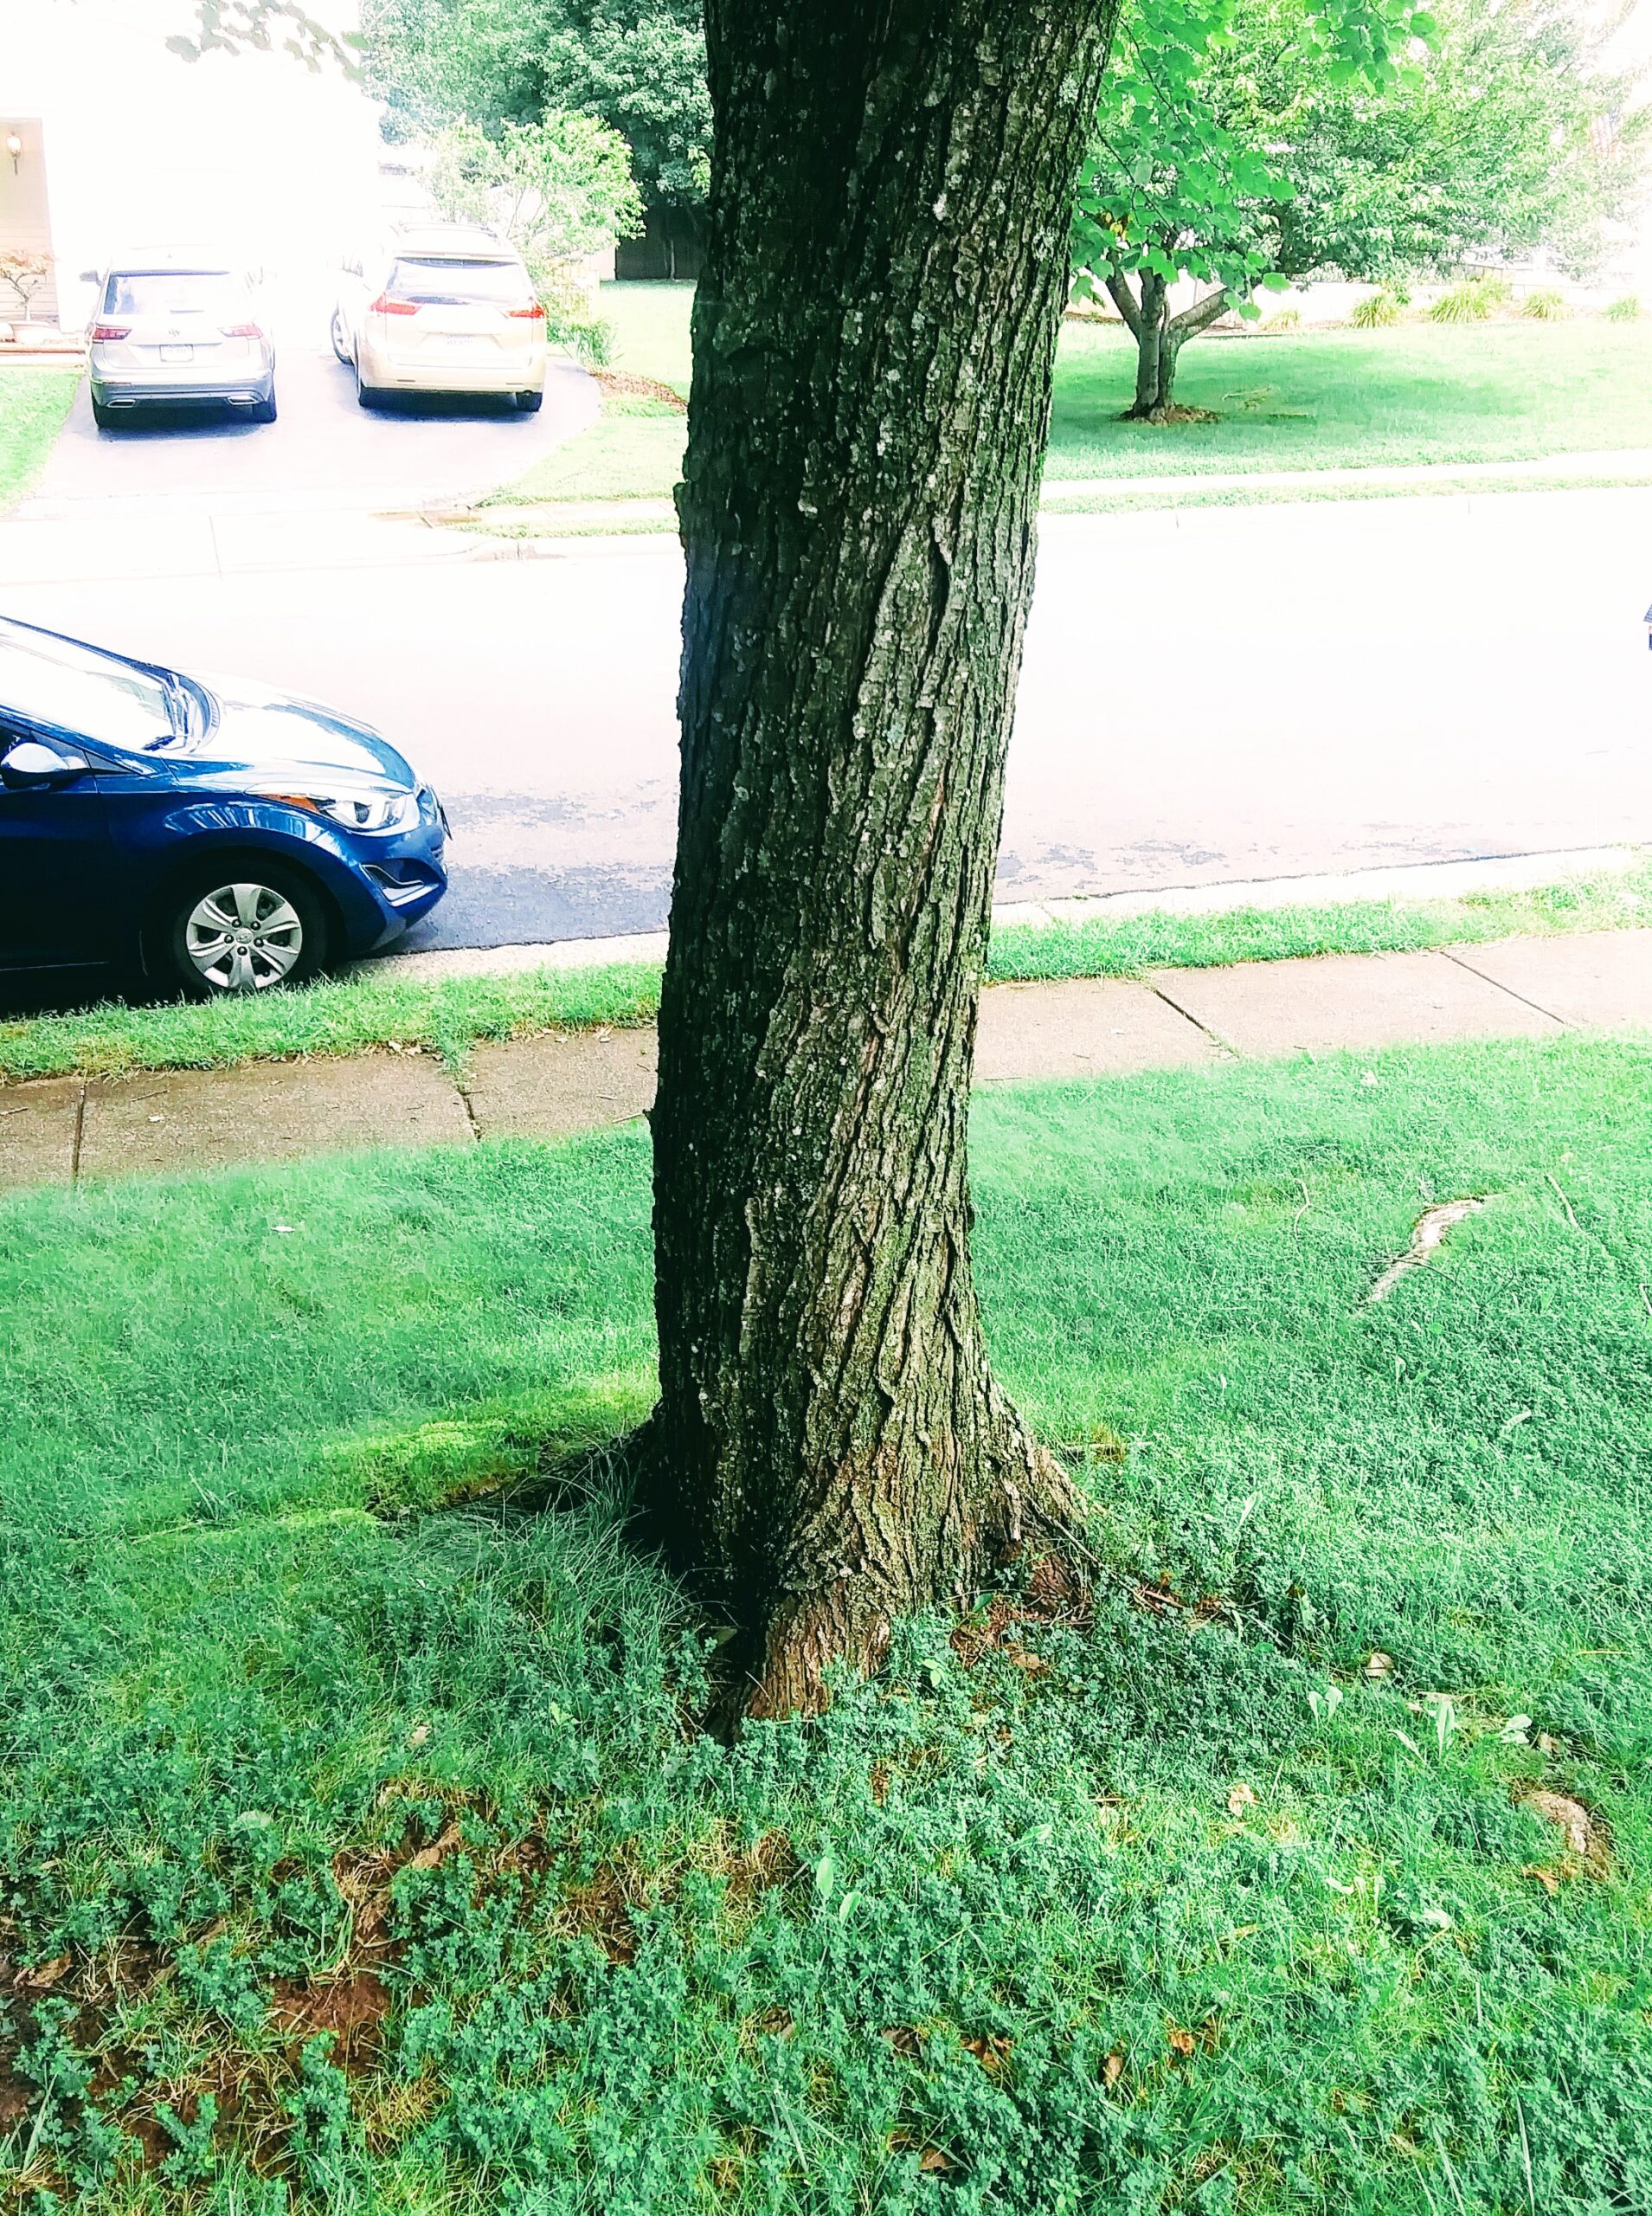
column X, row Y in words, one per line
column 635, row 452
column 376, row 1007
column 1317, row 400
column 650, row 326
column 1347, row 399
column 364, row 1857
column 33, row 403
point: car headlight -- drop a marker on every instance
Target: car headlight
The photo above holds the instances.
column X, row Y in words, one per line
column 359, row 810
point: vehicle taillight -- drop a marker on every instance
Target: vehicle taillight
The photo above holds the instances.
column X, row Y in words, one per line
column 242, row 330
column 385, row 306
column 101, row 331
column 536, row 312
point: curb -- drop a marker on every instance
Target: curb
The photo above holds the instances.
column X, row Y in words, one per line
column 1407, row 881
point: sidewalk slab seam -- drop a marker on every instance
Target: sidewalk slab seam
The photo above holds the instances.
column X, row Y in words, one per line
column 1226, row 1048
column 177, row 1121
column 1080, row 1028
column 1600, row 978
column 1338, row 1003
column 40, row 1125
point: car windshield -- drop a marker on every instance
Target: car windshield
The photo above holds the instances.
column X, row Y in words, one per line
column 460, row 284
column 75, row 688
column 168, row 291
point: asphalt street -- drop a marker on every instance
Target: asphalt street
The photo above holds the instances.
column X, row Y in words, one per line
column 1220, row 693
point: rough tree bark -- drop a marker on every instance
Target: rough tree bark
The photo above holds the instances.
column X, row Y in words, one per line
column 1160, row 337
column 873, row 337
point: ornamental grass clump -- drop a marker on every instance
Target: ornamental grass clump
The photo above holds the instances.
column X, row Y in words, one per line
column 1378, row 309
column 1475, row 301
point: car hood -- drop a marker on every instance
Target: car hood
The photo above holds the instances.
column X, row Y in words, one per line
column 258, row 728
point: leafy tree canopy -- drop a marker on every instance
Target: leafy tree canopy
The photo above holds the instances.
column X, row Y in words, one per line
column 234, row 26
column 638, row 66
column 1251, row 142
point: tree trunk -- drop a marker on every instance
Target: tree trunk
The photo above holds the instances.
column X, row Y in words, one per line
column 873, row 339
column 1149, row 345
column 1170, row 346
column 1160, row 337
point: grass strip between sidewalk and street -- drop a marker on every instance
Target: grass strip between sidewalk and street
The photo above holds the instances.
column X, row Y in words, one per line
column 361, row 1852
column 376, row 1007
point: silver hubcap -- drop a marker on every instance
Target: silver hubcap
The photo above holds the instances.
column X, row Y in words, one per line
column 243, row 937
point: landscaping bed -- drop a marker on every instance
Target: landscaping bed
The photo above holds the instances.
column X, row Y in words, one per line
column 362, row 1850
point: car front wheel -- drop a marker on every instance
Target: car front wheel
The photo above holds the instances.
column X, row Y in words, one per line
column 242, row 926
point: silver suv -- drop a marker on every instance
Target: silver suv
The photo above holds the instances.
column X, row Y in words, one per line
column 176, row 329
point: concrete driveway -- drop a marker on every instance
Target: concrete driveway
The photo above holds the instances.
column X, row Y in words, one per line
column 1223, row 693
column 324, row 450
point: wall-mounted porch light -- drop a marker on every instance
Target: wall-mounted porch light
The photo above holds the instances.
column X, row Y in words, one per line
column 14, row 147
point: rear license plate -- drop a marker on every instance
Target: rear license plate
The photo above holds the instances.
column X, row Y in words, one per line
column 177, row 353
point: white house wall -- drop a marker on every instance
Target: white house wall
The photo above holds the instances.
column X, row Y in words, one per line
column 250, row 153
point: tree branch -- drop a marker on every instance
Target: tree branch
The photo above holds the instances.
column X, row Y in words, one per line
column 1200, row 317
column 1124, row 300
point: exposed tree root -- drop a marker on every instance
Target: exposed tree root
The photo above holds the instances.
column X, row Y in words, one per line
column 1431, row 1230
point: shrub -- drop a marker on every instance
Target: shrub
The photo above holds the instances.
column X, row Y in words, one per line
column 1545, row 305
column 25, row 271
column 1627, row 310
column 1377, row 309
column 1287, row 320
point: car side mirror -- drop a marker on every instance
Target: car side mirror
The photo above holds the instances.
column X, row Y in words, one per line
column 31, row 763
column 90, row 276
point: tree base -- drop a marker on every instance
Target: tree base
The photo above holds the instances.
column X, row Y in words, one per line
column 1019, row 1505
column 1171, row 414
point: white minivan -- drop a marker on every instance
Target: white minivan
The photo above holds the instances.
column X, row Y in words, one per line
column 442, row 309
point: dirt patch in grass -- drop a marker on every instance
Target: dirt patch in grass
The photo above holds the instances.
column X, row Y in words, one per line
column 1588, row 1849
column 351, row 2008
column 1169, row 418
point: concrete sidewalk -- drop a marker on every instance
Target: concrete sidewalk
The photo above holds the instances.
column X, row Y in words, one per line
column 184, row 543
column 62, row 1131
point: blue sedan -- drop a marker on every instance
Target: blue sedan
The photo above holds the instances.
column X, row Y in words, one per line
column 223, row 837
